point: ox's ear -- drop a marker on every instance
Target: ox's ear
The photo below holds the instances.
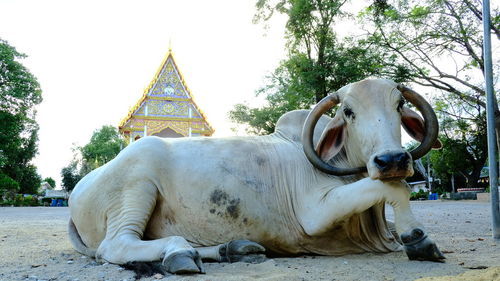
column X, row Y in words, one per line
column 414, row 126
column 332, row 139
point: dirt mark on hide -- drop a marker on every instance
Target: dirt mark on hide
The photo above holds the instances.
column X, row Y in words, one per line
column 226, row 206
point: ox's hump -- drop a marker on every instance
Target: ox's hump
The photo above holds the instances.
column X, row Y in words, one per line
column 291, row 123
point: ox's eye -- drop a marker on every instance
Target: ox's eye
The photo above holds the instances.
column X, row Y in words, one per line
column 348, row 112
column 401, row 104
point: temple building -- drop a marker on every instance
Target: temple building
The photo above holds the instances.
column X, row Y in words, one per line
column 166, row 108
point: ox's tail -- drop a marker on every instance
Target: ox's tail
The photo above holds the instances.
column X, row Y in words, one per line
column 77, row 242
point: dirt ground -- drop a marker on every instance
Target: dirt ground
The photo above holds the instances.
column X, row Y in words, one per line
column 34, row 246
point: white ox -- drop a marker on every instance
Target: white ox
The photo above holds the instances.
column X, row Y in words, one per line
column 187, row 199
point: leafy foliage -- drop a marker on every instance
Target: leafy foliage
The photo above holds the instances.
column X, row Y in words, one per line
column 438, row 42
column 20, row 201
column 8, row 186
column 419, row 195
column 19, row 94
column 318, row 62
column 464, row 151
column 432, row 43
column 70, row 176
column 464, row 139
column 103, row 146
column 19, row 89
column 50, row 181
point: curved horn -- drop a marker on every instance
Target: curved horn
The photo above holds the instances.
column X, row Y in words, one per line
column 307, row 138
column 431, row 122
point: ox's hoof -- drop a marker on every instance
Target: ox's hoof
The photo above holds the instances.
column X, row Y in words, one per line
column 420, row 247
column 184, row 262
column 242, row 250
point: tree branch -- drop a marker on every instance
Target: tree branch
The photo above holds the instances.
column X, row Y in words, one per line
column 479, row 14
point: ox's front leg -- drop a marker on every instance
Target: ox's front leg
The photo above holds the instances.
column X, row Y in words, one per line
column 339, row 203
column 416, row 242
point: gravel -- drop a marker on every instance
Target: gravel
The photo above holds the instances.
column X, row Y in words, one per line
column 34, row 246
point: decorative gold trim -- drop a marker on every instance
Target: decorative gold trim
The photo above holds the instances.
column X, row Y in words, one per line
column 199, row 132
column 135, row 129
column 124, row 121
column 168, row 98
column 177, row 130
column 168, row 118
column 203, row 132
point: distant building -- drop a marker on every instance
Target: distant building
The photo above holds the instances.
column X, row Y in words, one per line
column 166, row 108
column 417, row 186
column 63, row 194
column 44, row 186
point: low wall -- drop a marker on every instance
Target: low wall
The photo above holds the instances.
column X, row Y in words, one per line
column 483, row 197
column 463, row 196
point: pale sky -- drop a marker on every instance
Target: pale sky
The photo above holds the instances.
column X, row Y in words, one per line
column 94, row 59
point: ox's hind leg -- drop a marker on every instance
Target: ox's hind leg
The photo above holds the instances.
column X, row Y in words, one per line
column 234, row 251
column 126, row 222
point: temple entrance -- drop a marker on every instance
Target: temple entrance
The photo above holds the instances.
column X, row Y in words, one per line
column 168, row 133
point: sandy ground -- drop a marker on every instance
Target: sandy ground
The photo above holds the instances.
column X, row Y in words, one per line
column 34, row 246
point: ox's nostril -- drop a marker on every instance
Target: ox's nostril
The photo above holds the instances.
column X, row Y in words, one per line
column 401, row 157
column 382, row 161
column 402, row 160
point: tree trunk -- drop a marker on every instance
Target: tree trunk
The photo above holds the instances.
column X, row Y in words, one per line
column 453, row 183
column 497, row 125
column 321, row 79
column 473, row 177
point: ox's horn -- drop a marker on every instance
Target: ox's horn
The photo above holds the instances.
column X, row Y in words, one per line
column 307, row 139
column 430, row 121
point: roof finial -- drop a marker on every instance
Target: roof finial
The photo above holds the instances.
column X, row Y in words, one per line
column 170, row 45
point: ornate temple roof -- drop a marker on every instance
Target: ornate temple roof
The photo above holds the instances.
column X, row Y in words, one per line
column 167, row 102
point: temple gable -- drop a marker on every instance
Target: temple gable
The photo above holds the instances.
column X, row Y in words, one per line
column 166, row 108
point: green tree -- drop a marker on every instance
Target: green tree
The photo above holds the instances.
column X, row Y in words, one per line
column 465, row 148
column 70, row 176
column 19, row 89
column 438, row 43
column 318, row 61
column 50, row 181
column 104, row 145
column 463, row 135
column 8, row 187
column 19, row 94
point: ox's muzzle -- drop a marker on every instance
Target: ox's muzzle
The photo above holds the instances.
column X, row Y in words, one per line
column 390, row 165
